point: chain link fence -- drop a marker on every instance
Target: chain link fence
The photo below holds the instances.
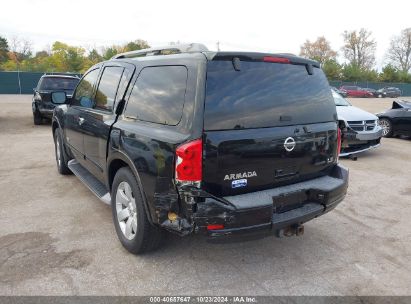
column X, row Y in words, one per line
column 24, row 82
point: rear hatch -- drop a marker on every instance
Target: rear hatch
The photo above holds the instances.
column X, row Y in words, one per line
column 266, row 123
column 51, row 84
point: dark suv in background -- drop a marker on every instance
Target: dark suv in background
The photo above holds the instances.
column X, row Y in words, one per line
column 392, row 92
column 192, row 141
column 41, row 105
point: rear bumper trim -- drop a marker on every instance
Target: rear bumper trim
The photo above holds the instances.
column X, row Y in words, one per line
column 255, row 212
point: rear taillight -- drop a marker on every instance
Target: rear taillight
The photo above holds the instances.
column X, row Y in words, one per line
column 189, row 161
column 276, row 59
column 215, row 227
column 37, row 96
column 338, row 141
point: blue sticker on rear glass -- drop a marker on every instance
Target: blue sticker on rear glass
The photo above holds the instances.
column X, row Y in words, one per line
column 239, row 183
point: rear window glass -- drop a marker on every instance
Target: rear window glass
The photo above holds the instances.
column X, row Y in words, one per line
column 265, row 94
column 158, row 95
column 58, row 83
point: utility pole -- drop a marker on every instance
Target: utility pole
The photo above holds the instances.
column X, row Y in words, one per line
column 218, row 46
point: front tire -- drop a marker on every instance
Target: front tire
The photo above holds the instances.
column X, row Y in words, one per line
column 133, row 228
column 37, row 119
column 386, row 126
column 60, row 159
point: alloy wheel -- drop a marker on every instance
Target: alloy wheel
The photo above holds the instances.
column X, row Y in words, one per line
column 386, row 127
column 126, row 210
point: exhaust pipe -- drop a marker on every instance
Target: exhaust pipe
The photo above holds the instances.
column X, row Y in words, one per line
column 289, row 231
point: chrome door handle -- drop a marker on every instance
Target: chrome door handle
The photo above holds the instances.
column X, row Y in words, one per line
column 80, row 120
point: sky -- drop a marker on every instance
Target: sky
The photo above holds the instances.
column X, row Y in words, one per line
column 267, row 26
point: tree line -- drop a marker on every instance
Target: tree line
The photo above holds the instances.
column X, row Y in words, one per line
column 359, row 54
column 17, row 54
column 358, row 51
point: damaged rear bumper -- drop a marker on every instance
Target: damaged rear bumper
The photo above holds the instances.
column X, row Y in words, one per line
column 266, row 212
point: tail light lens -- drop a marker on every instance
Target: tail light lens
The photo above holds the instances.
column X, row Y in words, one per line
column 276, row 59
column 37, row 96
column 189, row 161
column 215, row 227
column 338, row 141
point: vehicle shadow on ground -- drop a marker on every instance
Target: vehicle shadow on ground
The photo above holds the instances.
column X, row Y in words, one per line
column 244, row 251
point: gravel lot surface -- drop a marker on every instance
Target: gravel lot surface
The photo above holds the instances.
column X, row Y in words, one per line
column 56, row 238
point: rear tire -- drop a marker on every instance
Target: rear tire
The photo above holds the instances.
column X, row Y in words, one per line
column 133, row 228
column 37, row 119
column 386, row 126
column 60, row 159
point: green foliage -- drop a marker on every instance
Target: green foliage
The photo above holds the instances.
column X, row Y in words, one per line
column 4, row 48
column 389, row 74
column 62, row 58
column 113, row 50
column 109, row 52
column 392, row 74
column 332, row 69
column 353, row 72
column 94, row 57
column 136, row 45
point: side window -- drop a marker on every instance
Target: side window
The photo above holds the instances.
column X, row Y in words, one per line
column 125, row 79
column 158, row 95
column 107, row 88
column 84, row 93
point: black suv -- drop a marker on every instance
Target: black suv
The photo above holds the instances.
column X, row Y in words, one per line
column 191, row 141
column 41, row 105
column 388, row 92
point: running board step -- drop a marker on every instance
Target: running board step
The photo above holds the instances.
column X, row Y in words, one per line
column 97, row 187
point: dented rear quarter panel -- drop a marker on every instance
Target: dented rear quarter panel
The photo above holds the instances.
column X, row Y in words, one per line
column 151, row 146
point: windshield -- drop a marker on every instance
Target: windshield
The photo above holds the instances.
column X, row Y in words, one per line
column 339, row 100
column 265, row 95
column 58, row 83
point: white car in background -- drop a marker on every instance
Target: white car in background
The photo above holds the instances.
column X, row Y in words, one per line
column 360, row 129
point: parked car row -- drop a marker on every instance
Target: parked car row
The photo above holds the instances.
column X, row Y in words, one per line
column 356, row 91
column 362, row 131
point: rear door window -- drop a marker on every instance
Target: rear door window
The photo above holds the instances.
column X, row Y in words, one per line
column 265, row 94
column 158, row 95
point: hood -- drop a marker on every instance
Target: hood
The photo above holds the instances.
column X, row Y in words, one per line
column 351, row 113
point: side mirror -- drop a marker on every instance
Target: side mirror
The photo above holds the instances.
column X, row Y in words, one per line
column 58, row 97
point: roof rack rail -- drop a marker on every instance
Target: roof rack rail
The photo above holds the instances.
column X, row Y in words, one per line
column 165, row 50
column 62, row 74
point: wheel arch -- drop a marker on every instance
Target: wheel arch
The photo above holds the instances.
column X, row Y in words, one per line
column 54, row 126
column 115, row 165
column 117, row 161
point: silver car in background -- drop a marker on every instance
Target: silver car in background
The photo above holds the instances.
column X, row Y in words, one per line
column 360, row 129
